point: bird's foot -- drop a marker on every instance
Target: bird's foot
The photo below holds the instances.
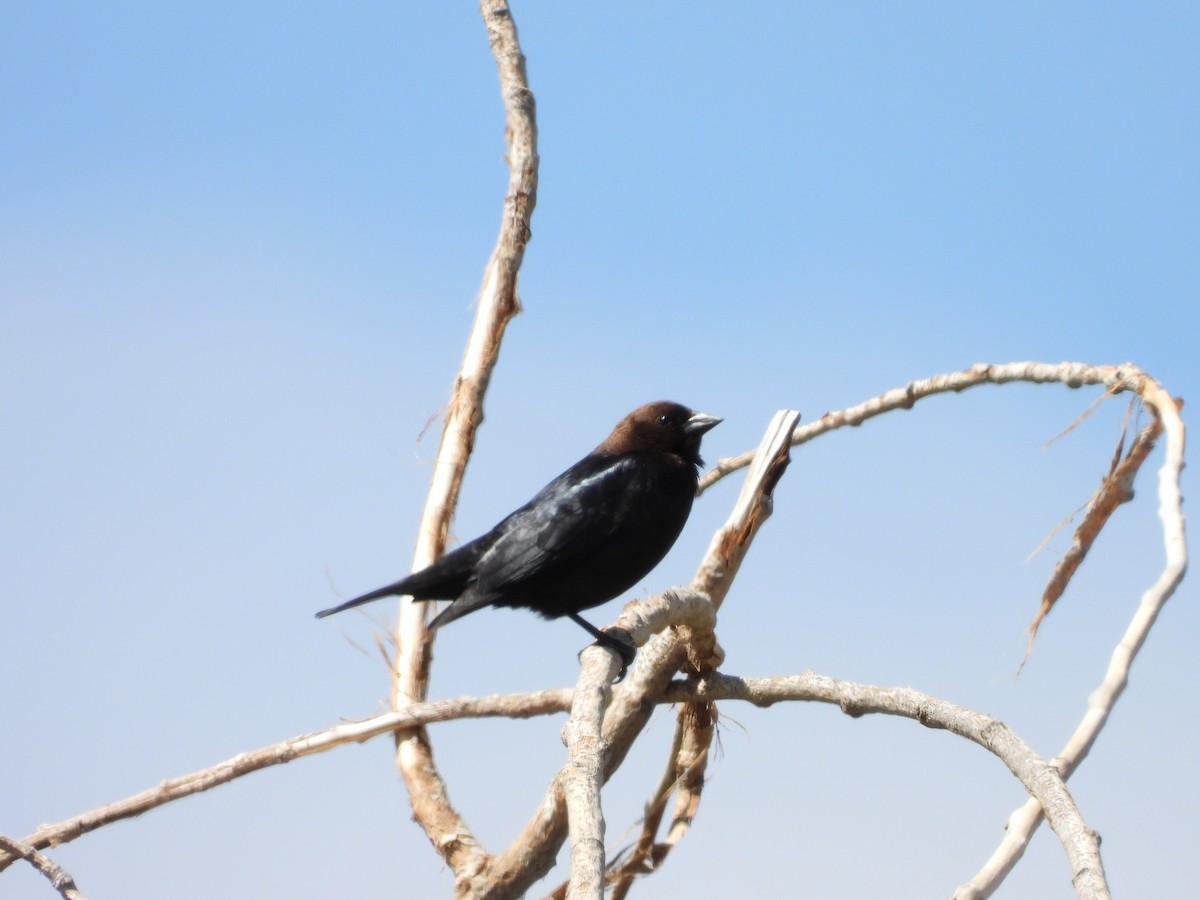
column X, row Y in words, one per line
column 620, row 640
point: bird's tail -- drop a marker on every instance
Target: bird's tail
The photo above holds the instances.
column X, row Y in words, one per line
column 398, row 588
column 446, row 579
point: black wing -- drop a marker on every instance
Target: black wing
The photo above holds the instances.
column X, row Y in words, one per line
column 588, row 535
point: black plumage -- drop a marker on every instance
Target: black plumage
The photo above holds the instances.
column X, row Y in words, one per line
column 589, row 535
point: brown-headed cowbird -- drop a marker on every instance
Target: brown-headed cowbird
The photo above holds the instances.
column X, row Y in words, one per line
column 590, row 534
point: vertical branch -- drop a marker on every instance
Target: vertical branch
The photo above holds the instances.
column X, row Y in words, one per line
column 583, row 775
column 696, row 724
column 534, row 851
column 754, row 504
column 496, row 305
column 691, row 645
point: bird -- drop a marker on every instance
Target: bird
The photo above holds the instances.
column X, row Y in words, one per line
column 586, row 537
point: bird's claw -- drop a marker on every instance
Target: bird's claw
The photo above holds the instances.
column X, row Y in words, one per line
column 621, row 641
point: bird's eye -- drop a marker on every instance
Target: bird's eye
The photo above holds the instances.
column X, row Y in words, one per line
column 664, row 420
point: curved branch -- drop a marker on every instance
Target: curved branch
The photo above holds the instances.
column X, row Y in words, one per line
column 1115, row 379
column 1072, row 374
column 1041, row 779
column 665, row 652
column 497, row 304
column 681, row 608
column 1024, row 820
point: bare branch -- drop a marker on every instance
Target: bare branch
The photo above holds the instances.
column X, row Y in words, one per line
column 694, row 728
column 692, row 647
column 533, row 853
column 539, row 703
column 1115, row 379
column 1041, row 779
column 641, row 619
column 688, row 612
column 60, row 879
column 678, row 608
column 690, row 644
column 754, row 504
column 497, row 304
column 642, row 858
column 583, row 774
column 1025, row 820
column 1127, row 377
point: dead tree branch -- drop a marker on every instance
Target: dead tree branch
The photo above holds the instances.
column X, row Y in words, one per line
column 1025, row 820
column 689, row 612
column 522, row 706
column 60, row 879
column 497, row 304
column 1115, row 488
column 676, row 633
column 1127, row 377
column 693, row 649
column 661, row 652
column 1043, row 781
column 583, row 775
column 696, row 722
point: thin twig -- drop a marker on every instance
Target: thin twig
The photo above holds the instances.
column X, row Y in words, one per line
column 1115, row 489
column 60, row 879
column 1073, row 374
column 538, row 703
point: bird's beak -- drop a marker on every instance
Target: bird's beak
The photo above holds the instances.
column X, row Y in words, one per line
column 699, row 423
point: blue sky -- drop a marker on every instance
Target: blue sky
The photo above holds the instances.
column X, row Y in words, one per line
column 239, row 250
